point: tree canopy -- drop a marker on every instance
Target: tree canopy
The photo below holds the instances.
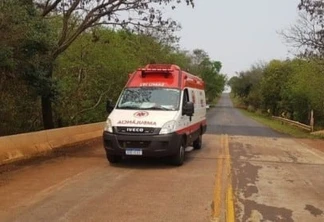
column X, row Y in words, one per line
column 291, row 88
column 77, row 81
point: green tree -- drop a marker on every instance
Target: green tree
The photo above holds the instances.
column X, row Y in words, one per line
column 276, row 74
column 214, row 80
column 89, row 72
column 305, row 90
column 81, row 15
column 247, row 85
column 201, row 65
column 24, row 51
column 96, row 66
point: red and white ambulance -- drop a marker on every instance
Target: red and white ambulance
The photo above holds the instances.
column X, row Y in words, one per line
column 160, row 112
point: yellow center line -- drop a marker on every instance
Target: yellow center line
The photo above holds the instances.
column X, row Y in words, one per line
column 230, row 210
column 223, row 184
column 217, row 201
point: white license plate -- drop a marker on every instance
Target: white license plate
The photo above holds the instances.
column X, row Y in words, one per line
column 134, row 152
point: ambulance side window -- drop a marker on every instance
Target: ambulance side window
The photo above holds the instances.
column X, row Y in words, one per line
column 185, row 97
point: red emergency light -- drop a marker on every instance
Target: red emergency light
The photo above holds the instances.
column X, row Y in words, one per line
column 145, row 71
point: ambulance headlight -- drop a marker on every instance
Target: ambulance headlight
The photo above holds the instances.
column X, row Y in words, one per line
column 108, row 126
column 168, row 127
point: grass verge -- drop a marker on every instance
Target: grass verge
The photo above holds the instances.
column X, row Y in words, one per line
column 280, row 127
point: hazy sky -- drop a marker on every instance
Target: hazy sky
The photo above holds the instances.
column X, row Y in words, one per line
column 237, row 33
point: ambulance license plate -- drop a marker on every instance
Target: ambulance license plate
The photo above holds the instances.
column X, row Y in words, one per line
column 134, row 152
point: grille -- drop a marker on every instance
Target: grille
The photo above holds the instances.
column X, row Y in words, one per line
column 136, row 130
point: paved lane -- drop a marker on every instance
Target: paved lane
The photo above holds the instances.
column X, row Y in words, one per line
column 82, row 186
column 274, row 177
column 228, row 120
column 277, row 180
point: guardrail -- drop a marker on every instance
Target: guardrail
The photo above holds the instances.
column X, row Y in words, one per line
column 294, row 123
column 26, row 145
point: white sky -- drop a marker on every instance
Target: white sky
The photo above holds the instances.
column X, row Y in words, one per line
column 237, row 33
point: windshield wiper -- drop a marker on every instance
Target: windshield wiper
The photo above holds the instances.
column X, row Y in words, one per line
column 159, row 108
column 146, row 108
column 128, row 107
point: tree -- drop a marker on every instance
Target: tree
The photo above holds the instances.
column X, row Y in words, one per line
column 94, row 69
column 90, row 72
column 79, row 16
column 246, row 81
column 305, row 91
column 214, row 80
column 24, row 50
column 201, row 65
column 276, row 75
column 307, row 35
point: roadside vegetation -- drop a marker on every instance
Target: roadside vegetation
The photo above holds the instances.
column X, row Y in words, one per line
column 61, row 60
column 290, row 88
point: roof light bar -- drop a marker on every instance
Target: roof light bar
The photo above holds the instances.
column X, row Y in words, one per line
column 146, row 71
column 155, row 70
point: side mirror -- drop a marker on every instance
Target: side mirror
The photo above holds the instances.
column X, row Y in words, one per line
column 188, row 109
column 109, row 105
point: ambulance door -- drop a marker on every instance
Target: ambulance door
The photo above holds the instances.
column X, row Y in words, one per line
column 185, row 120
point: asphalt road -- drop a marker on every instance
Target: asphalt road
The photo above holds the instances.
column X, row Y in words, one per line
column 274, row 177
column 224, row 119
column 244, row 172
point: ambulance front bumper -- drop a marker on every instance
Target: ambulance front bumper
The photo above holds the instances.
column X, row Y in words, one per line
column 141, row 145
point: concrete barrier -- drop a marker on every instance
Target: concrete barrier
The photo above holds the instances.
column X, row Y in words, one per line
column 27, row 145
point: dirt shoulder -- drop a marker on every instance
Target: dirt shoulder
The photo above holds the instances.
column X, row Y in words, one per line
column 314, row 143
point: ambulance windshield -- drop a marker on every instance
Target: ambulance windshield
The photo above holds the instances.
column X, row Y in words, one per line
column 150, row 99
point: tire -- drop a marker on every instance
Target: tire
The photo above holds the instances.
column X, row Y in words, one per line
column 198, row 143
column 113, row 158
column 179, row 157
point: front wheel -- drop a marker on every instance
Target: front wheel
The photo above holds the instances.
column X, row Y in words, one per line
column 198, row 143
column 113, row 158
column 179, row 157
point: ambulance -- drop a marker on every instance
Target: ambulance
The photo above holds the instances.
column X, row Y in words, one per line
column 160, row 112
